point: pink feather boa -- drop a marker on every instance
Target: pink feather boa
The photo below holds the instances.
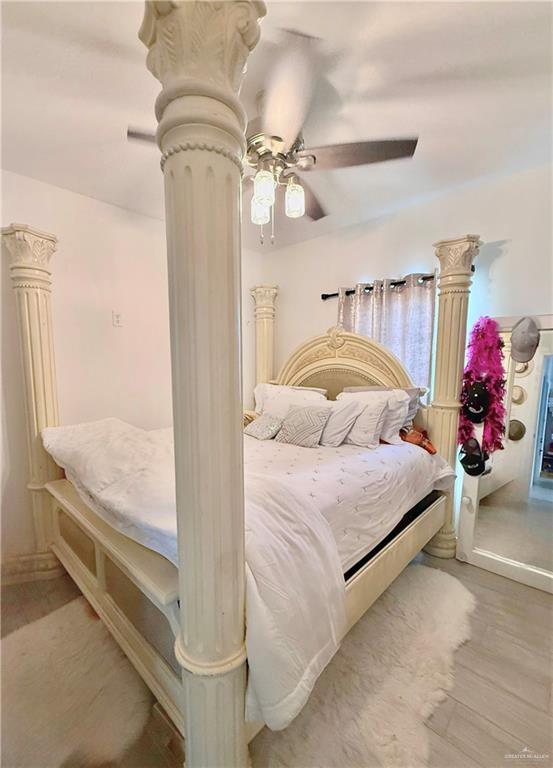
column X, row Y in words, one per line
column 485, row 363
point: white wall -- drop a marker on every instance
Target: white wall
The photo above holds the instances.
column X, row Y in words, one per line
column 107, row 259
column 513, row 275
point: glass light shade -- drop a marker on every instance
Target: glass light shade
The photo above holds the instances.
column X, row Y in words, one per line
column 264, row 187
column 260, row 213
column 294, row 200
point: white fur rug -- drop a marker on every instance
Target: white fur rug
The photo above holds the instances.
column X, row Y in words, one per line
column 369, row 706
column 69, row 695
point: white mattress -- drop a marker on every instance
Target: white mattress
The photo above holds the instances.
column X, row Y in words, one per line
column 361, row 492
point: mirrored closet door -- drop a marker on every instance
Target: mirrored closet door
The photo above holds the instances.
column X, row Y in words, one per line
column 506, row 517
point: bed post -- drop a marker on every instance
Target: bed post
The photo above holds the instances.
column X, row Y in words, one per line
column 264, row 297
column 29, row 251
column 198, row 51
column 454, row 280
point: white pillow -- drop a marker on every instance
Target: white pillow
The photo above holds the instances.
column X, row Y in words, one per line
column 368, row 425
column 276, row 399
column 342, row 418
column 265, row 427
column 394, row 418
column 415, row 394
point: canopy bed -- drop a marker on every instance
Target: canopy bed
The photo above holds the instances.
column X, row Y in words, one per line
column 184, row 628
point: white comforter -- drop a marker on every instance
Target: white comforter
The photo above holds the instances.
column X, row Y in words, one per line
column 295, row 595
column 361, row 492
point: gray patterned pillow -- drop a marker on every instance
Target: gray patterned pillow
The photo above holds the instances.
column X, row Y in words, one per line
column 264, row 427
column 304, row 426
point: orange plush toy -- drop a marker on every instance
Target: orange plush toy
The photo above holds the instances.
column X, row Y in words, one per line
column 417, row 436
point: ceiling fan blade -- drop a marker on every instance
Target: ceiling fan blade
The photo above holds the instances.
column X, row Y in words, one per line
column 290, row 88
column 357, row 153
column 313, row 207
column 135, row 134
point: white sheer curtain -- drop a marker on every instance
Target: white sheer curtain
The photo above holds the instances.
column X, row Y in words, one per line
column 401, row 317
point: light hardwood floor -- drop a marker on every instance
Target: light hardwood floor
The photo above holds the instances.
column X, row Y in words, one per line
column 501, row 702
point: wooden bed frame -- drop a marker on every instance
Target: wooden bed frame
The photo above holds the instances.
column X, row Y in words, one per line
column 183, row 629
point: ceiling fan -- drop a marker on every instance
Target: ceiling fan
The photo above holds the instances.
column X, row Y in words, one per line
column 276, row 152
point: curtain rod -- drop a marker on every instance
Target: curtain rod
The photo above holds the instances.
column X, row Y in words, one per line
column 393, row 284
column 369, row 287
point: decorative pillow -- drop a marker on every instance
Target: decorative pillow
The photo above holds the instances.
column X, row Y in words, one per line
column 265, row 427
column 395, row 416
column 369, row 424
column 342, row 418
column 304, row 426
column 276, row 399
column 415, row 393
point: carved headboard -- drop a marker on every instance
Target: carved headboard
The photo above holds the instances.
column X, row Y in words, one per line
column 339, row 359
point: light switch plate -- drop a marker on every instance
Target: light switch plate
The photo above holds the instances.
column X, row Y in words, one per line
column 116, row 319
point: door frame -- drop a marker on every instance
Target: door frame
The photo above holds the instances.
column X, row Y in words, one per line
column 539, row 447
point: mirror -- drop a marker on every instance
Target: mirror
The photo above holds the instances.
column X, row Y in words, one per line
column 507, row 513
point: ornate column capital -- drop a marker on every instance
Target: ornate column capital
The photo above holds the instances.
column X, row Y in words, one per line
column 28, row 247
column 200, row 48
column 456, row 256
column 197, row 38
column 264, row 297
column 29, row 252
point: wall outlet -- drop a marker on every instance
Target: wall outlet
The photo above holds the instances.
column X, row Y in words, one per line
column 116, row 319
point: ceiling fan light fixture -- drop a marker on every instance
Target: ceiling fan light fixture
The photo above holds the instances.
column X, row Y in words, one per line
column 260, row 212
column 294, row 199
column 264, row 188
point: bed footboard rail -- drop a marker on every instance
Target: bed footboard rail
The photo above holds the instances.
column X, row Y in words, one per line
column 133, row 590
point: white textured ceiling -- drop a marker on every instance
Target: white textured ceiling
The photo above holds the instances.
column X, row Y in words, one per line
column 471, row 79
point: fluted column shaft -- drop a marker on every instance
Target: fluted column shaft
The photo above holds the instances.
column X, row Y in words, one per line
column 264, row 297
column 29, row 251
column 456, row 258
column 198, row 51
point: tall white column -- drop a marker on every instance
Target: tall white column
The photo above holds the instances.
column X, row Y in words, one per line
column 198, row 51
column 456, row 258
column 264, row 297
column 28, row 252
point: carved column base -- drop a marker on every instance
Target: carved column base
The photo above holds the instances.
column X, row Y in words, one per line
column 42, row 513
column 38, row 566
column 443, row 544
